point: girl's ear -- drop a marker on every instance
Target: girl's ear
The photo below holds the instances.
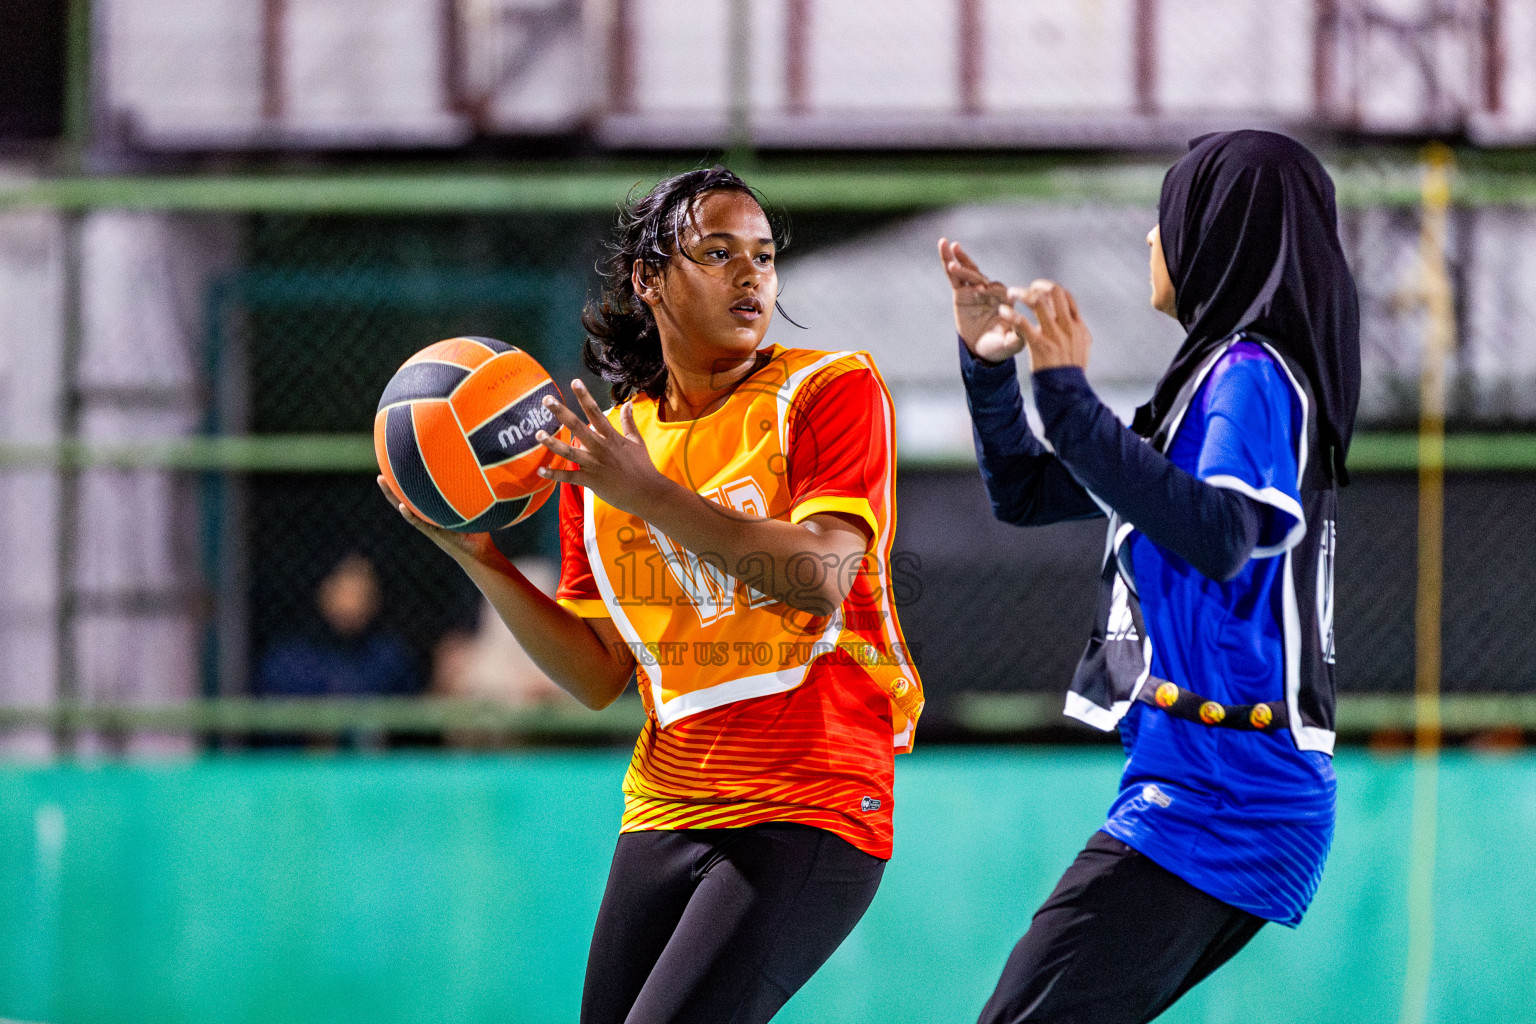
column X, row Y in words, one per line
column 646, row 281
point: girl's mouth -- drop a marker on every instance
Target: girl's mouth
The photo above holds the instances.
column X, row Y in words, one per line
column 747, row 309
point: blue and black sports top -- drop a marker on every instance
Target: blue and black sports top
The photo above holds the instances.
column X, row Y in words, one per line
column 1225, row 534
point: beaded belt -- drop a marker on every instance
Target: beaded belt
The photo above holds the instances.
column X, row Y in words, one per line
column 1270, row 716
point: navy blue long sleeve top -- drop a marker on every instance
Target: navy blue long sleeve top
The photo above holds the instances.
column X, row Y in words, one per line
column 1214, row 529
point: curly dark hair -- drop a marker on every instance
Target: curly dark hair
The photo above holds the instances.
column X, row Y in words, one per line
column 622, row 344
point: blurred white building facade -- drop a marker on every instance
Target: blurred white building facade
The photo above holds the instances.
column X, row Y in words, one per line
column 220, row 74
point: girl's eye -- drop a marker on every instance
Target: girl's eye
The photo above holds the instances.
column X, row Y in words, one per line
column 765, row 258
column 717, row 254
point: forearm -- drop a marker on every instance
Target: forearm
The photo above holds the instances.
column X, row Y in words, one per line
column 1027, row 485
column 1213, row 529
column 562, row 644
column 805, row 565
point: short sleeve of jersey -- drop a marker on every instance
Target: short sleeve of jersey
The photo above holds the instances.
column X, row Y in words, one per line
column 840, row 450
column 1253, row 421
column 578, row 589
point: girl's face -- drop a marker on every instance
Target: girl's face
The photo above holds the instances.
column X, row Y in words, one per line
column 1162, row 282
column 715, row 299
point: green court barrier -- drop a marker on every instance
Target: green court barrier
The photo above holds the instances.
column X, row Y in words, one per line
column 1374, row 177
column 1357, row 714
column 353, row 453
column 283, row 453
column 994, row 714
column 328, row 716
column 459, row 888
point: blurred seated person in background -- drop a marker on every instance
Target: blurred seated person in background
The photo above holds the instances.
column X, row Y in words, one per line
column 343, row 654
column 489, row 664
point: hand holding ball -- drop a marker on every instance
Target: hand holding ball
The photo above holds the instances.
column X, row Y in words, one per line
column 455, row 434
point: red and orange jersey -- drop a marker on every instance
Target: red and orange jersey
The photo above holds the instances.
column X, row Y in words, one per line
column 759, row 712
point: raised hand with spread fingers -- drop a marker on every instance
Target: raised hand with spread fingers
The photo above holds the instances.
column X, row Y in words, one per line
column 978, row 301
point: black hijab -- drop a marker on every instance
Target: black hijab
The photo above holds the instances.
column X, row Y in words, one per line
column 1249, row 232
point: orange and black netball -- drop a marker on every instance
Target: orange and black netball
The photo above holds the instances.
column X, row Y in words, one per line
column 455, row 434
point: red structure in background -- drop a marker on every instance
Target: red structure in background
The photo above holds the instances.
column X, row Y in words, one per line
column 971, row 57
column 274, row 21
column 1146, row 57
column 621, row 58
column 1345, row 31
column 1364, row 54
column 797, row 65
column 1493, row 56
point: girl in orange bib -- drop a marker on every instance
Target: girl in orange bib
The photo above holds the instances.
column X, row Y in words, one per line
column 726, row 536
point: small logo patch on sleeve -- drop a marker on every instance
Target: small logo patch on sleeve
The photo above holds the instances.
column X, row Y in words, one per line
column 1153, row 795
column 869, row 803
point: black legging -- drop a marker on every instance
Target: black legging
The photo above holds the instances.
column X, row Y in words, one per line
column 1117, row 942
column 721, row 926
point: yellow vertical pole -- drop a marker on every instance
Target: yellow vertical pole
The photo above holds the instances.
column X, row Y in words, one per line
column 1439, row 343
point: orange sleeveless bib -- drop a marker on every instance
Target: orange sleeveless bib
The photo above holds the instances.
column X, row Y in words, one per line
column 704, row 638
